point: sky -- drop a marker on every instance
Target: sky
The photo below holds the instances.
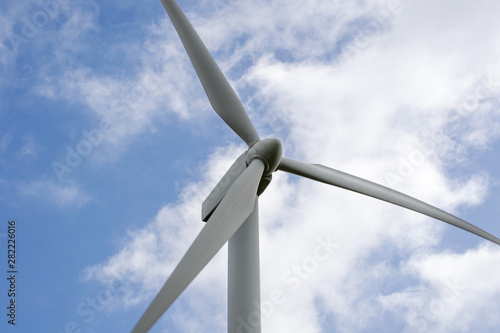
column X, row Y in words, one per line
column 108, row 147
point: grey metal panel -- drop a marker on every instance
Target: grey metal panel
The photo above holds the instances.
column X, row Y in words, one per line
column 344, row 180
column 220, row 93
column 234, row 209
column 243, row 312
column 220, row 190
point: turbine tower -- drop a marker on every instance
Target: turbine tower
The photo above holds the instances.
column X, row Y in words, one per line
column 231, row 209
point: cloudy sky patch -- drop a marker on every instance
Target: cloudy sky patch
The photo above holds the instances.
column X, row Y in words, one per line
column 108, row 147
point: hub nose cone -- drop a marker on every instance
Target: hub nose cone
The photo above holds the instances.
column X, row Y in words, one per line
column 269, row 151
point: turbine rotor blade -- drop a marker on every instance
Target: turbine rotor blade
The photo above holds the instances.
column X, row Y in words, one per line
column 233, row 210
column 337, row 178
column 219, row 91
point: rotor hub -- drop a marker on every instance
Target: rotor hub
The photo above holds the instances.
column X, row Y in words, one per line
column 267, row 150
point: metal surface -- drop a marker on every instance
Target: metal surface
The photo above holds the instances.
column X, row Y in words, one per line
column 215, row 197
column 233, row 210
column 340, row 179
column 243, row 306
column 219, row 91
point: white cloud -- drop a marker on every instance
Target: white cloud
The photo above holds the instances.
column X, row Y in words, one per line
column 61, row 194
column 29, row 150
column 9, row 38
column 458, row 292
column 133, row 101
column 25, row 26
column 5, row 31
column 366, row 114
column 4, row 143
column 148, row 255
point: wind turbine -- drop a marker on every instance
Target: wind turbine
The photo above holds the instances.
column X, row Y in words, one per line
column 231, row 209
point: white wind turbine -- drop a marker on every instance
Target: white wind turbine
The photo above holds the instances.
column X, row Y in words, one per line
column 231, row 209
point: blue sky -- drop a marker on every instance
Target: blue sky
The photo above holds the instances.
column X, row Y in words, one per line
column 108, row 146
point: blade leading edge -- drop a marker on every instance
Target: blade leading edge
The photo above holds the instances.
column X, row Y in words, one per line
column 233, row 210
column 219, row 91
column 337, row 178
